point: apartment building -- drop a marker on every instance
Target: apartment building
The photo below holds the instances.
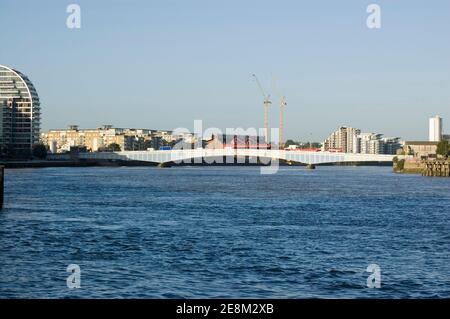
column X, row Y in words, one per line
column 19, row 113
column 102, row 138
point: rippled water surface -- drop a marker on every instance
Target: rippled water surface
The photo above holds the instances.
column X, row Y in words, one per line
column 224, row 232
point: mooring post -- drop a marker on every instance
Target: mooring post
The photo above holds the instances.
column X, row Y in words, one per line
column 2, row 184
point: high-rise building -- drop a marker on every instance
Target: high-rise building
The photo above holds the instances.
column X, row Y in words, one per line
column 351, row 140
column 19, row 113
column 342, row 140
column 435, row 133
column 370, row 143
column 391, row 145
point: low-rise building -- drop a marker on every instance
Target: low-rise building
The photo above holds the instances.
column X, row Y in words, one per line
column 101, row 139
column 420, row 149
column 219, row 141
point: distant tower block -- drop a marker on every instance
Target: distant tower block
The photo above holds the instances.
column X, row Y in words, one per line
column 435, row 133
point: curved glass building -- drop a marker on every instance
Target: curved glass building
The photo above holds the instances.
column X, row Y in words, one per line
column 19, row 114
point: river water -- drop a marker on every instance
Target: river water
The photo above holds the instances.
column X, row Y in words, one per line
column 224, row 232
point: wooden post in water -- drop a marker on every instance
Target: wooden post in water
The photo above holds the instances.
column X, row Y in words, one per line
column 2, row 184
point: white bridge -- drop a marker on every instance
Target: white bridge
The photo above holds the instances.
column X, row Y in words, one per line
column 228, row 155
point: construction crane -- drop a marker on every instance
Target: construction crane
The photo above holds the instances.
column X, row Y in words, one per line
column 283, row 103
column 266, row 105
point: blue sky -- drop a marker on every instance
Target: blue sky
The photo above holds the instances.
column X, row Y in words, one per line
column 163, row 64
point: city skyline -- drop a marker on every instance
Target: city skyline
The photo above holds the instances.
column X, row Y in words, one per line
column 224, row 158
column 178, row 71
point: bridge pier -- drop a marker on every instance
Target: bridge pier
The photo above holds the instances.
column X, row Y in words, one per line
column 165, row 165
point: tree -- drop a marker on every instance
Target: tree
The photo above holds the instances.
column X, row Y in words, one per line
column 114, row 147
column 443, row 148
column 289, row 142
column 39, row 151
column 400, row 165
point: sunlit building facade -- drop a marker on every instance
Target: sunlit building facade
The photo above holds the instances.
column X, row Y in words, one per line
column 435, row 129
column 351, row 140
column 341, row 140
column 20, row 113
column 102, row 138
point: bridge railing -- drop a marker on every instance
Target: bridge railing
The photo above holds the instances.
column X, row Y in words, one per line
column 180, row 155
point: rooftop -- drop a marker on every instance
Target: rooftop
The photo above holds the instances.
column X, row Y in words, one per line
column 420, row 143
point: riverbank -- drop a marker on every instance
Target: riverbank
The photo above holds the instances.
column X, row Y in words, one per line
column 438, row 168
column 408, row 167
column 72, row 163
column 430, row 167
column 117, row 163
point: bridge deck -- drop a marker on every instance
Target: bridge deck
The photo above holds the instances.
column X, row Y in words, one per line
column 218, row 154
